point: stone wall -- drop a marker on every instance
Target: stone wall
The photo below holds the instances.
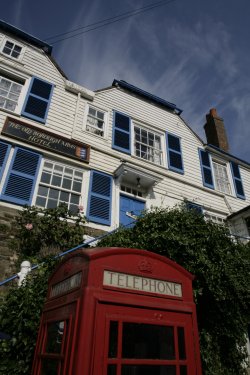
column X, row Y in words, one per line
column 7, row 255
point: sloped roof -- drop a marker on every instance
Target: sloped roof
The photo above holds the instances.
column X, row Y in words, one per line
column 25, row 36
column 147, row 95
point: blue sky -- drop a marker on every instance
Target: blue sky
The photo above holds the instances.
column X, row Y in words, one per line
column 190, row 52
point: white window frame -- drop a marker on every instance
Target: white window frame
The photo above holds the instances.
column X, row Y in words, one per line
column 81, row 194
column 15, row 43
column 135, row 124
column 228, row 182
column 19, row 79
column 105, row 120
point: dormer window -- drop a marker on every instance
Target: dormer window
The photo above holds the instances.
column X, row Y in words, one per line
column 11, row 49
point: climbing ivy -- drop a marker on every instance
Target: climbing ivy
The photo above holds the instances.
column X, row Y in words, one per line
column 40, row 231
column 222, row 277
column 221, row 287
column 37, row 233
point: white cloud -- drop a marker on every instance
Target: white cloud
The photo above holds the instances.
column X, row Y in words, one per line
column 194, row 66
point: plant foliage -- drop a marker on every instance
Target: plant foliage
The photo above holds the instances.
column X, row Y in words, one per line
column 222, row 278
column 46, row 229
column 221, row 286
column 37, row 233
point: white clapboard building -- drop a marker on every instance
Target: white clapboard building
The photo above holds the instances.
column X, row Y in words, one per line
column 113, row 152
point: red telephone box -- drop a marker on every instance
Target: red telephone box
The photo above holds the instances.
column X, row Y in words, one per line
column 118, row 311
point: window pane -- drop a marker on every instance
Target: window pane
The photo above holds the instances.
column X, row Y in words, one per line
column 68, row 172
column 53, row 193
column 56, row 181
column 55, row 332
column 73, row 209
column 77, row 186
column 46, row 178
column 181, row 343
column 175, row 160
column 113, row 339
column 66, row 183
column 49, row 366
column 183, row 370
column 51, row 203
column 64, row 196
column 92, row 111
column 48, row 165
column 41, row 202
column 43, row 191
column 74, row 199
column 111, row 370
column 174, row 143
column 147, row 341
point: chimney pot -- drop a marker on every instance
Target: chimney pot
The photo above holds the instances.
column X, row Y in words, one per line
column 213, row 112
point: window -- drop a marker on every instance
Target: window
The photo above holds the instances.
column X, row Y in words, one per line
column 174, row 153
column 221, row 178
column 19, row 183
column 195, row 207
column 131, row 190
column 36, row 105
column 206, row 169
column 238, row 185
column 121, row 132
column 12, row 49
column 147, row 145
column 214, row 218
column 248, row 224
column 100, row 198
column 95, row 121
column 9, row 93
column 59, row 185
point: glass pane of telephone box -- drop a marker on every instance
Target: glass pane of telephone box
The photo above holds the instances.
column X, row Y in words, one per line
column 49, row 366
column 113, row 339
column 148, row 370
column 111, row 370
column 147, row 341
column 181, row 343
column 55, row 332
column 183, row 370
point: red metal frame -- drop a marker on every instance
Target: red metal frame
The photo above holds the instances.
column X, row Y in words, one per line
column 90, row 306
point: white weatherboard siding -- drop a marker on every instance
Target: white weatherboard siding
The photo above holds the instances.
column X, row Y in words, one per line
column 67, row 117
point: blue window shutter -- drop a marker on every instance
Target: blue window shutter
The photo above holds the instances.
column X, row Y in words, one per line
column 100, row 198
column 206, row 169
column 4, row 153
column 175, row 162
column 36, row 105
column 121, row 132
column 237, row 181
column 21, row 177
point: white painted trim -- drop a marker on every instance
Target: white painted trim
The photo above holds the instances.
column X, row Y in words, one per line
column 106, row 120
column 75, row 88
column 16, row 59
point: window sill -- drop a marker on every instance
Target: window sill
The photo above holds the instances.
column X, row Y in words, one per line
column 12, row 59
column 105, row 138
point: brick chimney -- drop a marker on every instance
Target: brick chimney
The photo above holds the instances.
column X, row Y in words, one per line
column 215, row 130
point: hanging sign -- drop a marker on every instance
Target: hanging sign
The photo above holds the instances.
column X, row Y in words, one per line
column 41, row 138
